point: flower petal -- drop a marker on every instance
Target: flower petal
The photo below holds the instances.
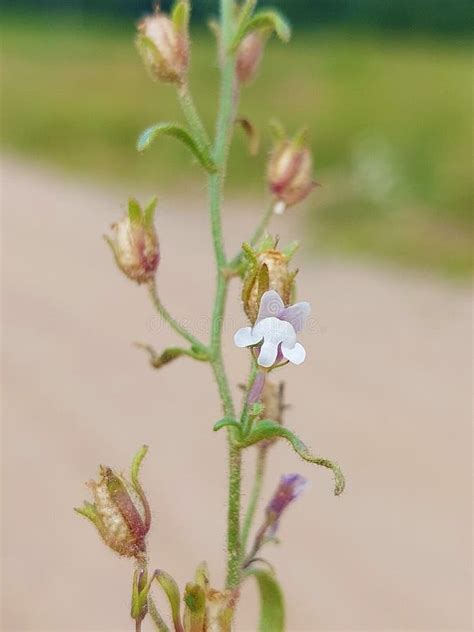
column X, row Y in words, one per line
column 296, row 354
column 245, row 337
column 270, row 305
column 296, row 315
column 268, row 354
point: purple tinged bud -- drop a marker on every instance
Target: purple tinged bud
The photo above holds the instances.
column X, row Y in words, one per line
column 256, row 389
column 249, row 55
column 120, row 513
column 290, row 171
column 290, row 487
column 134, row 243
column 163, row 43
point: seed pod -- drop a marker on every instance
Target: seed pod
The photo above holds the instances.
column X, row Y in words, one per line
column 163, row 43
column 290, row 171
column 135, row 243
column 120, row 511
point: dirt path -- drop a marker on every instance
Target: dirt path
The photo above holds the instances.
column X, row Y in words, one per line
column 385, row 389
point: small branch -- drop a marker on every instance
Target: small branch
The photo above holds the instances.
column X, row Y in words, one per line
column 158, row 360
column 179, row 329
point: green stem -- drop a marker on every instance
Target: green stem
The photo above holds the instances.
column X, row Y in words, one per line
column 192, row 116
column 224, row 129
column 254, row 497
column 179, row 329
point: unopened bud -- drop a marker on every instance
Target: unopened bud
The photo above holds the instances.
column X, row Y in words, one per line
column 163, row 43
column 249, row 55
column 120, row 512
column 268, row 272
column 135, row 243
column 290, row 172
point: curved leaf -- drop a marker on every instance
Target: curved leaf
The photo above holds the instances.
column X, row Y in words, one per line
column 136, row 463
column 267, row 429
column 272, row 605
column 177, row 131
column 172, row 592
column 269, row 20
column 227, row 421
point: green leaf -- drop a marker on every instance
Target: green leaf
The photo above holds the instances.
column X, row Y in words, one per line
column 134, row 211
column 149, row 211
column 88, row 511
column 195, row 608
column 267, row 429
column 177, row 131
column 245, row 14
column 269, row 20
column 135, row 469
column 227, row 422
column 272, row 606
column 172, row 592
column 180, row 15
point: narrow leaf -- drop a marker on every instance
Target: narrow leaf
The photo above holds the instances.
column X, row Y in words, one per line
column 227, row 421
column 177, row 131
column 134, row 211
column 244, row 17
column 180, row 15
column 264, row 21
column 136, row 463
column 149, row 211
column 267, row 429
column 272, row 606
column 172, row 592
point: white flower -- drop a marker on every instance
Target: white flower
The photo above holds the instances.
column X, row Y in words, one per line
column 275, row 329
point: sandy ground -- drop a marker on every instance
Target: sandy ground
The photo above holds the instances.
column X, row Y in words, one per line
column 385, row 389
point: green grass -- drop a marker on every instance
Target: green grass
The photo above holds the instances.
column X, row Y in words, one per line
column 389, row 118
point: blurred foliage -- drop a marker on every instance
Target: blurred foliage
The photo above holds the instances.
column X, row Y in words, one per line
column 390, row 120
column 450, row 16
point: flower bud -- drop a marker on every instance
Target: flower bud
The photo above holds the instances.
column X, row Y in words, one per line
column 290, row 172
column 120, row 512
column 135, row 243
column 163, row 43
column 249, row 55
column 268, row 272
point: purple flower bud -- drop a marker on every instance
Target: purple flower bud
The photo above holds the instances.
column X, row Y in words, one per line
column 290, row 487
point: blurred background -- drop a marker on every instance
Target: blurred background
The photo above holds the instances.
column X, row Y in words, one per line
column 385, row 87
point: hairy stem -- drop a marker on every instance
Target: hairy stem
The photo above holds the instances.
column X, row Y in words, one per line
column 179, row 329
column 192, row 116
column 254, row 497
column 225, row 119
